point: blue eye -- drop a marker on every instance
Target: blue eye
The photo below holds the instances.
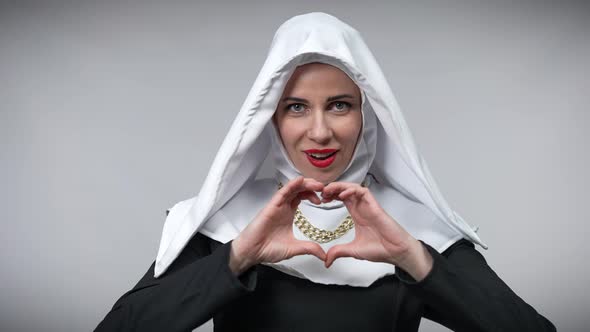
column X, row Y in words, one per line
column 295, row 108
column 341, row 106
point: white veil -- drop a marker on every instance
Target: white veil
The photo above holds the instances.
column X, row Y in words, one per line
column 231, row 196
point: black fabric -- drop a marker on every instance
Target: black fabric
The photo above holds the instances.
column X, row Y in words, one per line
column 461, row 292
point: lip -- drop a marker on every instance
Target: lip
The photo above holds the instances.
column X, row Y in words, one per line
column 321, row 163
column 319, row 151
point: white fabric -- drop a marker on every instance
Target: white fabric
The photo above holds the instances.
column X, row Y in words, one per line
column 230, row 196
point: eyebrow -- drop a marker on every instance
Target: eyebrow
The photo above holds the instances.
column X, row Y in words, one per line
column 301, row 100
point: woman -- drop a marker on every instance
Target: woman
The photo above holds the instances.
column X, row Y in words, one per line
column 351, row 232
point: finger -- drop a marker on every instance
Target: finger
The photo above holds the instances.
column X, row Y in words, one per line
column 309, row 248
column 307, row 185
column 300, row 184
column 310, row 196
column 337, row 251
column 310, row 184
column 327, row 200
column 332, row 190
column 283, row 195
column 346, row 194
column 295, row 203
column 352, row 193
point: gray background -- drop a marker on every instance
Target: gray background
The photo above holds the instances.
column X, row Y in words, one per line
column 110, row 112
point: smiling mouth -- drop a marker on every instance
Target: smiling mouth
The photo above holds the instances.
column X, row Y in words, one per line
column 321, row 158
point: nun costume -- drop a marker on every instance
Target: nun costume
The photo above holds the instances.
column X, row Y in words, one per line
column 191, row 282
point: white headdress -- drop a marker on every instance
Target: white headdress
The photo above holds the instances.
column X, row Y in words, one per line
column 231, row 195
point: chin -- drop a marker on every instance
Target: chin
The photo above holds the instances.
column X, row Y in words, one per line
column 324, row 178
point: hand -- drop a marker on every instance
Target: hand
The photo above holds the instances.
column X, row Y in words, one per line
column 269, row 237
column 378, row 237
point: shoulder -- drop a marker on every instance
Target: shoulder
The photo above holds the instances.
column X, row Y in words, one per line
column 462, row 244
column 463, row 252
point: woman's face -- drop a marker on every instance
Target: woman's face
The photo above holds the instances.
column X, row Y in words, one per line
column 319, row 120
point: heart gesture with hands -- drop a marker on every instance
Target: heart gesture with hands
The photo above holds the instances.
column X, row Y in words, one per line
column 269, row 237
column 378, row 237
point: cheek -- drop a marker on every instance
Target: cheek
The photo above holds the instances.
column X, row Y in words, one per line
column 291, row 133
column 350, row 131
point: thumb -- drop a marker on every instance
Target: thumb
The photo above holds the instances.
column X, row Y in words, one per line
column 340, row 250
column 309, row 248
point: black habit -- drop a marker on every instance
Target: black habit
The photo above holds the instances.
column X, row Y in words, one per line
column 461, row 292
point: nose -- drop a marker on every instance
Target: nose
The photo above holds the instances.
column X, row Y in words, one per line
column 319, row 130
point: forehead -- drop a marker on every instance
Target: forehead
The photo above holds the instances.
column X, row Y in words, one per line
column 320, row 78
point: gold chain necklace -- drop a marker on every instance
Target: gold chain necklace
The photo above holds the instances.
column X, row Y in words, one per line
column 317, row 234
column 321, row 235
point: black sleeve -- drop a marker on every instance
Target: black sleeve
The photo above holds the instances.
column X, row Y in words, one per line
column 463, row 293
column 196, row 285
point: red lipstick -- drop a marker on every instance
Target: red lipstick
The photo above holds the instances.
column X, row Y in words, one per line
column 321, row 158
